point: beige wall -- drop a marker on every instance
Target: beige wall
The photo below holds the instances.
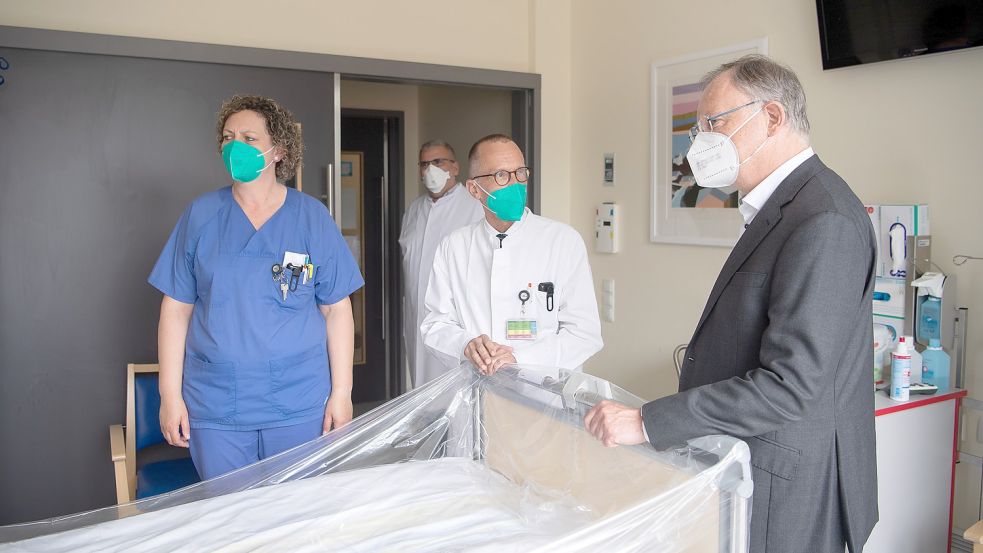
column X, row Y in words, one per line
column 430, row 31
column 898, row 132
column 461, row 115
column 550, row 55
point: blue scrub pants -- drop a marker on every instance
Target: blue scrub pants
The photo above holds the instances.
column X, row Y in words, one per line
column 216, row 452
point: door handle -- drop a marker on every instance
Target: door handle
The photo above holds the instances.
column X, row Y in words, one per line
column 328, row 196
column 385, row 264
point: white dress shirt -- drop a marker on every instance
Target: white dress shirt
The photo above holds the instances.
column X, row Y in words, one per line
column 754, row 200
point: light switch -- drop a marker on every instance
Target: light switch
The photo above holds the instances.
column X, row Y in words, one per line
column 607, row 300
column 609, row 169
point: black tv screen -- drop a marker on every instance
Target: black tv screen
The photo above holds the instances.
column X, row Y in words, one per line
column 852, row 32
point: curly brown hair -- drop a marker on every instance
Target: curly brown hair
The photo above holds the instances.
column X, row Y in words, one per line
column 280, row 123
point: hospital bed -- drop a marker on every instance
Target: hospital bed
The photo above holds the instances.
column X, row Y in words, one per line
column 465, row 463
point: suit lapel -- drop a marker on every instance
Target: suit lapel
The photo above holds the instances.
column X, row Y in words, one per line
column 762, row 224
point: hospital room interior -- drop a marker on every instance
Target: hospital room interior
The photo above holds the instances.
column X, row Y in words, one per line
column 523, row 275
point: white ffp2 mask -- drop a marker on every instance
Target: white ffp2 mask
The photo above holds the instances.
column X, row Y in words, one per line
column 713, row 157
column 435, row 178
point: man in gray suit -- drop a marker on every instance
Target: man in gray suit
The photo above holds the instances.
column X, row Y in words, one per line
column 781, row 355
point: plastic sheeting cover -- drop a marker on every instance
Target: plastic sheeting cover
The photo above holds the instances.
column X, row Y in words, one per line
column 465, row 463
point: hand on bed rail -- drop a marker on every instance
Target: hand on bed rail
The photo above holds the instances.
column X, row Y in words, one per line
column 488, row 356
column 615, row 424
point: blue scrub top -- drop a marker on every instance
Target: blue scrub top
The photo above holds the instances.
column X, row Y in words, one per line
column 254, row 360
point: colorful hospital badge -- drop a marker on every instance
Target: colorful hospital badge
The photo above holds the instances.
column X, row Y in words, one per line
column 520, row 329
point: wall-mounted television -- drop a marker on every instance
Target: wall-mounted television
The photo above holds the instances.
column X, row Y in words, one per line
column 852, row 32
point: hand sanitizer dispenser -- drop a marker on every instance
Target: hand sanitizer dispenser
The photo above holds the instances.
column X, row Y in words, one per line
column 929, row 316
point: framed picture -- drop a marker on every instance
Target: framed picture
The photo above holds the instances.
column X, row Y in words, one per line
column 298, row 180
column 352, row 185
column 682, row 211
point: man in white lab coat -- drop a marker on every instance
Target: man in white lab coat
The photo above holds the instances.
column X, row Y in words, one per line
column 430, row 218
column 515, row 287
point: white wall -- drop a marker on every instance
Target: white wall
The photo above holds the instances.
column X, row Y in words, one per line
column 898, row 132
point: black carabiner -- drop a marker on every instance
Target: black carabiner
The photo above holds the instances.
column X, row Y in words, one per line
column 548, row 288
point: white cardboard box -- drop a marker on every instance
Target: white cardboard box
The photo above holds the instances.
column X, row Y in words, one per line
column 913, row 219
column 874, row 211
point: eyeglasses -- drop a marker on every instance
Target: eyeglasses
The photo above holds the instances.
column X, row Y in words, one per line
column 711, row 119
column 504, row 177
column 440, row 161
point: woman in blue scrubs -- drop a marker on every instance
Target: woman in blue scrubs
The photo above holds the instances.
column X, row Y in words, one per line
column 256, row 335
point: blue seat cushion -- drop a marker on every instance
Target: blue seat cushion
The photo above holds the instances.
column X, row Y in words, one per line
column 146, row 409
column 165, row 476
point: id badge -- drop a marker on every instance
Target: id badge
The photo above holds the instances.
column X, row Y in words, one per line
column 520, row 329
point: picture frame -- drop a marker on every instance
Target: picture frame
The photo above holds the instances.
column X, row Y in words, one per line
column 353, row 231
column 683, row 213
column 298, row 181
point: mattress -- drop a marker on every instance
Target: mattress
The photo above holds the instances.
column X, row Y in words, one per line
column 464, row 463
column 449, row 504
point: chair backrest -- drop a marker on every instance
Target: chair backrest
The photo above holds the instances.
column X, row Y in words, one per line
column 678, row 355
column 142, row 413
column 146, row 409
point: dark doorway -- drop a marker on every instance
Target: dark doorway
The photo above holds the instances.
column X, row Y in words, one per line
column 371, row 196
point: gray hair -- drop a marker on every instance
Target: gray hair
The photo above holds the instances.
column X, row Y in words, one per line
column 437, row 143
column 762, row 78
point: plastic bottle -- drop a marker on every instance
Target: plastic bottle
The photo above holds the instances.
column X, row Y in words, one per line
column 928, row 323
column 916, row 360
column 900, row 371
column 935, row 365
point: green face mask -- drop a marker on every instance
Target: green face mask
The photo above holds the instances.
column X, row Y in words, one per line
column 509, row 203
column 243, row 162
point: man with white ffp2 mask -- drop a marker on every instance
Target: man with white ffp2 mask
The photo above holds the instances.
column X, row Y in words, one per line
column 781, row 355
column 445, row 206
column 515, row 287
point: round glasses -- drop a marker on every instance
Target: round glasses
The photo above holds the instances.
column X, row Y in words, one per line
column 504, row 177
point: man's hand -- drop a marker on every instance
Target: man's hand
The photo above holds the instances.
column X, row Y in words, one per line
column 500, row 361
column 615, row 424
column 487, row 355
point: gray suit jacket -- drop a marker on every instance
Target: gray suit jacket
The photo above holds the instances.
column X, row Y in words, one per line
column 782, row 358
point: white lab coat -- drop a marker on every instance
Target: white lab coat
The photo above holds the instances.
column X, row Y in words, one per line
column 475, row 284
column 425, row 224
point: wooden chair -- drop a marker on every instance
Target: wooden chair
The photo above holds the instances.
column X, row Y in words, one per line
column 975, row 536
column 160, row 472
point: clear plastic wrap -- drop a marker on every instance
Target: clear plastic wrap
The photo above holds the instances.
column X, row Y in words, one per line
column 465, row 463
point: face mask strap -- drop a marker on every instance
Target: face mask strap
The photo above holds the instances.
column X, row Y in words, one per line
column 267, row 166
column 756, row 150
column 753, row 115
column 483, row 190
